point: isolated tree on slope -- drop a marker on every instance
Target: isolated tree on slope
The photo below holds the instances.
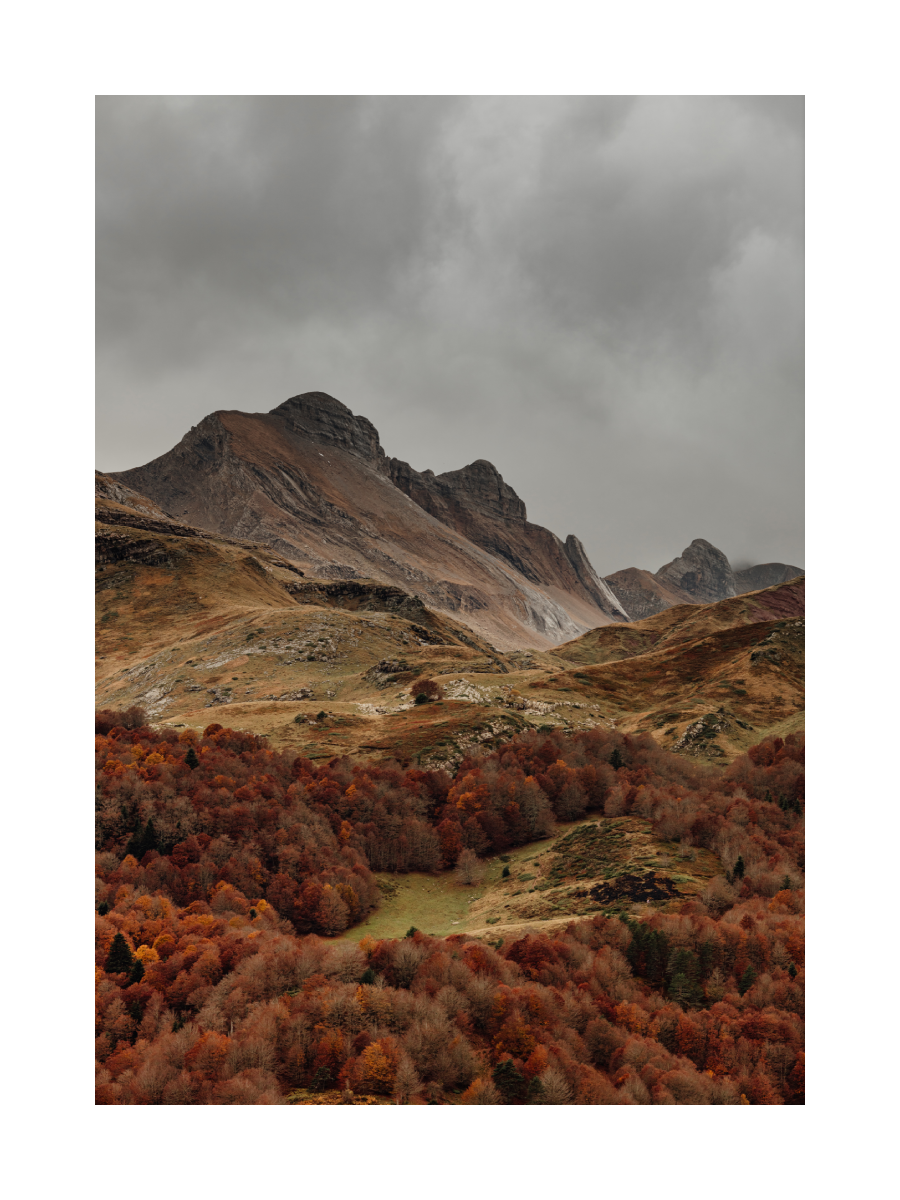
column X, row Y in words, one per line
column 469, row 868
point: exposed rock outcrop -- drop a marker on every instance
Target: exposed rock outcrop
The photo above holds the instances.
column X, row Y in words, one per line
column 702, row 571
column 478, row 503
column 119, row 495
column 318, row 417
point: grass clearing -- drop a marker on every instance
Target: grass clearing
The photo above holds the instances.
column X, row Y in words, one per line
column 436, row 904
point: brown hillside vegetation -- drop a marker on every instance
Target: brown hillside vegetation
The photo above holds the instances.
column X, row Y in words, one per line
column 707, row 680
column 684, row 622
column 191, row 624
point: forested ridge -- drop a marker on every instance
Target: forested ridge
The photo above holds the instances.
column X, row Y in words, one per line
column 224, row 867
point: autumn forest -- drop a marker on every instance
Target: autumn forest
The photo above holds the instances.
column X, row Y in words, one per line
column 227, row 871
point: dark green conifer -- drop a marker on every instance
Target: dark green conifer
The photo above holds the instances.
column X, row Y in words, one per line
column 103, row 909
column 681, row 989
column 368, row 976
column 509, row 1082
column 191, row 758
column 119, row 958
column 137, row 972
column 657, row 956
column 739, row 868
column 706, row 955
column 135, row 844
column 149, row 840
column 746, row 980
column 616, row 761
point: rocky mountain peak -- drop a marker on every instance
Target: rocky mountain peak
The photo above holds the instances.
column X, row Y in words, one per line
column 321, row 418
column 481, row 486
column 702, row 571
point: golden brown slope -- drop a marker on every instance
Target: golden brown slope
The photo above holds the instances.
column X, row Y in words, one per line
column 707, row 680
column 199, row 628
column 682, row 623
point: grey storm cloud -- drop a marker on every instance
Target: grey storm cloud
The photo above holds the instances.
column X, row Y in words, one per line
column 601, row 295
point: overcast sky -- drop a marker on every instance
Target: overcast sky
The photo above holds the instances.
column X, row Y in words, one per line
column 601, row 295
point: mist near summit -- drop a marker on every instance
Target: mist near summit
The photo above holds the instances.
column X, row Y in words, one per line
column 603, row 296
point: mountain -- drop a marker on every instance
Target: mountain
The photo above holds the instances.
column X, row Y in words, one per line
column 197, row 627
column 277, row 566
column 763, row 576
column 702, row 571
column 700, row 575
column 310, row 481
column 642, row 594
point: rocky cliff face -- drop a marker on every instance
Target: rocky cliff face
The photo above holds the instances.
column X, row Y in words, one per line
column 310, row 480
column 479, row 504
column 753, row 579
column 117, row 495
column 318, row 417
column 702, row 571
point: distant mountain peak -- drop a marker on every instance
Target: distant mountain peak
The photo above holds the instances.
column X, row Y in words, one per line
column 702, row 570
column 701, row 574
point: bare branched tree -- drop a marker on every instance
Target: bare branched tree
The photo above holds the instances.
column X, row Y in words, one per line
column 469, row 868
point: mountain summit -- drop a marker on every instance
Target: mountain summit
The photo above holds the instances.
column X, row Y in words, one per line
column 702, row 571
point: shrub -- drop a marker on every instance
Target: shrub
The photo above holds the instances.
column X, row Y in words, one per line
column 110, row 718
column 426, row 688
